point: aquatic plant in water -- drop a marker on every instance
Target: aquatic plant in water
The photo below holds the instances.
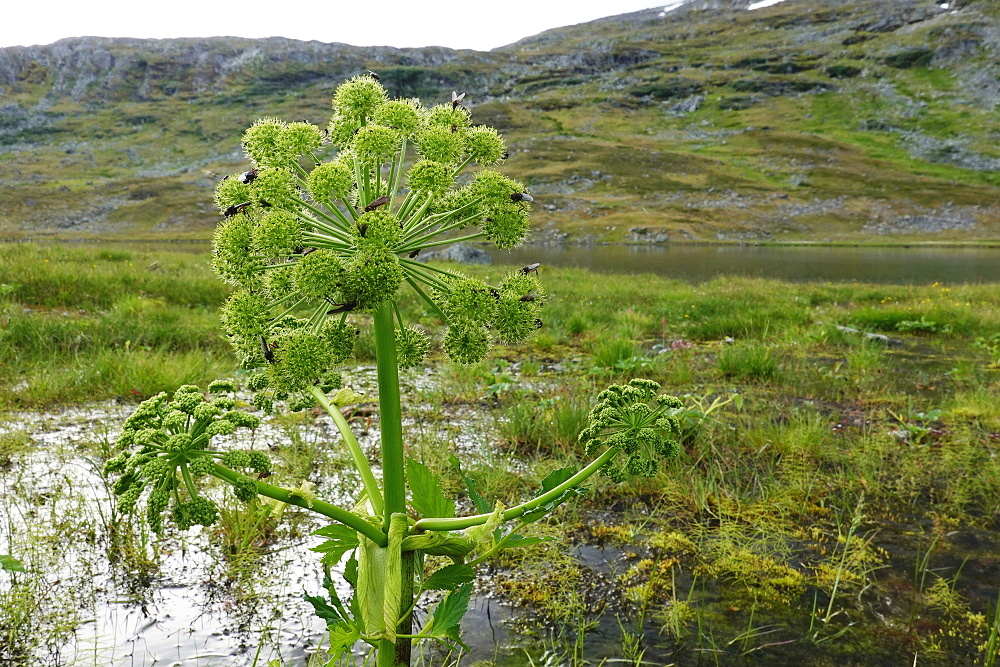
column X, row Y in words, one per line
column 308, row 250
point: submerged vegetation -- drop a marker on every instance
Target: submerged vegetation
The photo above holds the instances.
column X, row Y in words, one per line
column 834, row 501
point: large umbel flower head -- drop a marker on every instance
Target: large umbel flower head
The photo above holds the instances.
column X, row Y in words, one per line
column 166, row 444
column 638, row 423
column 308, row 242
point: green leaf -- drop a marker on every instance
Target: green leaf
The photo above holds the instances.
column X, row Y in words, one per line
column 10, row 564
column 428, row 498
column 448, row 614
column 482, row 505
column 449, row 577
column 325, row 610
column 557, row 477
column 343, row 636
column 342, row 539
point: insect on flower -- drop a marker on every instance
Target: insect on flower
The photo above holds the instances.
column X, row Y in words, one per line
column 342, row 307
column 414, row 254
column 266, row 350
column 530, row 268
column 374, row 75
column 538, row 324
column 234, row 209
column 264, row 475
column 521, row 197
column 529, row 297
column 456, row 100
column 381, row 201
column 247, row 177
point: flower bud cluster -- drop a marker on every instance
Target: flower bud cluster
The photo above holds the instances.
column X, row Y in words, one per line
column 166, row 444
column 306, row 242
column 641, row 425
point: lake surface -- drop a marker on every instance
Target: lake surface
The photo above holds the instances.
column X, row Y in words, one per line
column 700, row 263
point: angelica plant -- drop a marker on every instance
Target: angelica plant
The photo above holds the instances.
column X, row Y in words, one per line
column 326, row 225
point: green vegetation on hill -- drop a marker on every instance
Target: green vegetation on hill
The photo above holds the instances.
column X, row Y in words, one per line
column 804, row 121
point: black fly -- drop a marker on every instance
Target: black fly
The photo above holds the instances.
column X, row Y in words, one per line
column 528, row 298
column 413, row 254
column 374, row 75
column 342, row 307
column 266, row 349
column 530, row 268
column 456, row 100
column 247, row 177
column 521, row 197
column 235, row 208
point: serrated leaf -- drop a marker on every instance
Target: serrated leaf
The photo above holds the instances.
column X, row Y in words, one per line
column 449, row 612
column 449, row 577
column 343, row 636
column 428, row 499
column 325, row 610
column 342, row 539
column 482, row 505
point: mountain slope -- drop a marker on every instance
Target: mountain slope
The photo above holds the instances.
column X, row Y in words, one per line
column 802, row 121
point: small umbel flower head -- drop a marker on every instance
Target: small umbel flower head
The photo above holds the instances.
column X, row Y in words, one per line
column 373, row 275
column 232, row 256
column 430, row 176
column 401, row 115
column 357, row 99
column 466, row 342
column 263, row 142
column 274, row 188
column 276, row 234
column 167, row 444
column 640, row 425
column 468, row 300
column 320, row 275
column 411, row 347
column 484, row 145
column 380, row 226
column 440, row 144
column 376, row 142
column 301, row 358
column 331, row 181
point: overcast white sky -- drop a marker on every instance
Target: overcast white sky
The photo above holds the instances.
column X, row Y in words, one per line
column 459, row 24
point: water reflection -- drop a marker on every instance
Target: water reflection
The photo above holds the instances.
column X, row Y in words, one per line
column 700, row 263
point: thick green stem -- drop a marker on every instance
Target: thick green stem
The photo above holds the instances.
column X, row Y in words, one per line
column 392, row 652
column 522, row 509
column 390, row 413
column 358, row 456
column 291, row 497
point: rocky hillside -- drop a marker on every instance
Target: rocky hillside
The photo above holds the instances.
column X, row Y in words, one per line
column 807, row 120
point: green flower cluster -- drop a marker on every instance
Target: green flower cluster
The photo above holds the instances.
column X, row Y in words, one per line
column 637, row 422
column 308, row 238
column 479, row 315
column 165, row 445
